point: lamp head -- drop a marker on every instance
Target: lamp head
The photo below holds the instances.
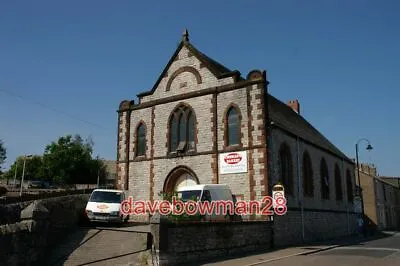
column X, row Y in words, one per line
column 369, row 147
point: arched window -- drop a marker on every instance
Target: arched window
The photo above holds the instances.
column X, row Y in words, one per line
column 324, row 179
column 308, row 185
column 233, row 127
column 140, row 140
column 349, row 186
column 286, row 170
column 338, row 183
column 182, row 129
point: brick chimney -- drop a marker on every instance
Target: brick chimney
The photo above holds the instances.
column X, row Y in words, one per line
column 295, row 105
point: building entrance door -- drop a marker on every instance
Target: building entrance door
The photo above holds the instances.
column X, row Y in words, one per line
column 179, row 177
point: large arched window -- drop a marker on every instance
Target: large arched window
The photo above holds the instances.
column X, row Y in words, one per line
column 324, row 179
column 338, row 183
column 286, row 170
column 232, row 127
column 140, row 140
column 182, row 129
column 349, row 186
column 308, row 184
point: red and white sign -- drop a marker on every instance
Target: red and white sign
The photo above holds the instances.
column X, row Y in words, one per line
column 233, row 162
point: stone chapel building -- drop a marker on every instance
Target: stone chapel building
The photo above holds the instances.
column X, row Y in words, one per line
column 204, row 123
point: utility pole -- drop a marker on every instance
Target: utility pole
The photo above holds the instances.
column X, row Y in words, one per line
column 15, row 174
column 23, row 174
column 98, row 178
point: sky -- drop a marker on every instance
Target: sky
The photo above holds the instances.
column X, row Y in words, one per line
column 66, row 65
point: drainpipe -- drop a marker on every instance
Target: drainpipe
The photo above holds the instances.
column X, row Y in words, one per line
column 298, row 189
column 216, row 133
column 271, row 169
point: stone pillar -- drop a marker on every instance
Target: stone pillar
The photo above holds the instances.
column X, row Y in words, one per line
column 36, row 219
column 159, row 232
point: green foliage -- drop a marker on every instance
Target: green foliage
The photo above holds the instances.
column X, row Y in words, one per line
column 65, row 161
column 181, row 216
column 3, row 153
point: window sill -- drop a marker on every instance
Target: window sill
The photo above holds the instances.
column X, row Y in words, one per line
column 174, row 154
column 140, row 158
column 233, row 147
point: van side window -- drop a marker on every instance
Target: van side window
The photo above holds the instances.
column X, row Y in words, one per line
column 206, row 196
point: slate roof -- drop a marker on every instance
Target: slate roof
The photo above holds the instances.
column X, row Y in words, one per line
column 394, row 181
column 284, row 117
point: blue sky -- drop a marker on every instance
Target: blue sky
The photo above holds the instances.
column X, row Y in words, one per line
column 341, row 59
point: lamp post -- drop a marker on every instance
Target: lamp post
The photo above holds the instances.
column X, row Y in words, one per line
column 23, row 173
column 368, row 148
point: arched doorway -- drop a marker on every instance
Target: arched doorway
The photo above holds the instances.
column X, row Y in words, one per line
column 178, row 177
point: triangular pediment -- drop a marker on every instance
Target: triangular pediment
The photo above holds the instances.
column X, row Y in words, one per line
column 188, row 69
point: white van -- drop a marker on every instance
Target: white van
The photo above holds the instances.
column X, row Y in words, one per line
column 210, row 193
column 104, row 205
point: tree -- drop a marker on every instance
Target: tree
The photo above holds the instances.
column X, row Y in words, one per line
column 3, row 152
column 69, row 161
column 34, row 169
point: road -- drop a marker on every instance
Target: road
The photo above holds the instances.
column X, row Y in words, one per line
column 385, row 251
column 101, row 246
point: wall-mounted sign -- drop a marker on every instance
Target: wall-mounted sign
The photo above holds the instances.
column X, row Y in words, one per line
column 233, row 162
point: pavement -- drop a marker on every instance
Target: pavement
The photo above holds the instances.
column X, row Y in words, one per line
column 298, row 255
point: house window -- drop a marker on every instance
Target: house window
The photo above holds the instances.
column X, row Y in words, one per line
column 308, row 186
column 286, row 170
column 349, row 187
column 324, row 179
column 140, row 140
column 233, row 127
column 338, row 183
column 182, row 130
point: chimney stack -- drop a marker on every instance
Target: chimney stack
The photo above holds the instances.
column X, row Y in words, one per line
column 295, row 105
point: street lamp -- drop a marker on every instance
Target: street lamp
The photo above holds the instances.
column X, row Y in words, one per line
column 23, row 173
column 368, row 148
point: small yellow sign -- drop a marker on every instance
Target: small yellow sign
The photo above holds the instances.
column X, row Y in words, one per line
column 102, row 206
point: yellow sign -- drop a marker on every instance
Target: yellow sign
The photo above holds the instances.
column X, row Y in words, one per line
column 102, row 206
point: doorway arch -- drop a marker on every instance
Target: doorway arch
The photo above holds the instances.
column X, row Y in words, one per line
column 179, row 176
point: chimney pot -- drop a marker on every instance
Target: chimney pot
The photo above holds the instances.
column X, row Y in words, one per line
column 295, row 105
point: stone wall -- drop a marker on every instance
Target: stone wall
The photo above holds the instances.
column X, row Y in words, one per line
column 318, row 226
column 178, row 244
column 41, row 224
column 11, row 213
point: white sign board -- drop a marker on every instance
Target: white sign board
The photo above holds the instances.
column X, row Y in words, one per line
column 275, row 195
column 233, row 162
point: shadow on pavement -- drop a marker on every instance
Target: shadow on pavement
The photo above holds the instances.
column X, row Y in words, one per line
column 98, row 243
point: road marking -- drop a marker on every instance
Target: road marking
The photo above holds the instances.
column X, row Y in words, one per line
column 371, row 248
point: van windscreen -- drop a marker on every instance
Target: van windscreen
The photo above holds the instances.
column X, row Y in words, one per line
column 106, row 197
column 189, row 195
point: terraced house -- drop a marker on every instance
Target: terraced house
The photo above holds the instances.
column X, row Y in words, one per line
column 204, row 123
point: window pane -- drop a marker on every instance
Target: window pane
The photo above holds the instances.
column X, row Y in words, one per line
column 173, row 134
column 233, row 127
column 141, row 143
column 191, row 131
column 182, row 128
